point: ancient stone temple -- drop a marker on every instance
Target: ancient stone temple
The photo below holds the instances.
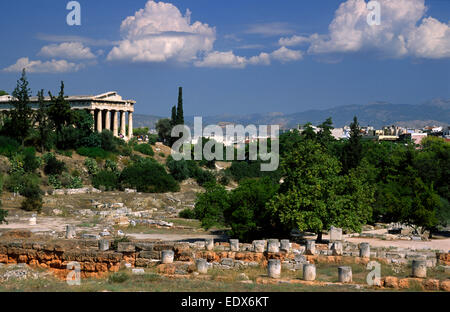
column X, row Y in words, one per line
column 109, row 110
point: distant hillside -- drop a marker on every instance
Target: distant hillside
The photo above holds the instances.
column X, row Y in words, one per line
column 140, row 120
column 435, row 112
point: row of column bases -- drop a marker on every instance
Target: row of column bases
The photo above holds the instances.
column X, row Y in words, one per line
column 109, row 120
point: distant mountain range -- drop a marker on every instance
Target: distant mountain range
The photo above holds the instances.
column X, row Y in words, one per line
column 435, row 112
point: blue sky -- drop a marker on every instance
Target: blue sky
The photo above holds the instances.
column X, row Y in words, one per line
column 232, row 56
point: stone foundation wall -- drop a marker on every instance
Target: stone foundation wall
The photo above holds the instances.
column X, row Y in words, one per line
column 55, row 255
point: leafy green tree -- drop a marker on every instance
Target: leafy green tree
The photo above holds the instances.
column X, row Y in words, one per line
column 324, row 136
column 2, row 92
column 21, row 114
column 59, row 111
column 308, row 132
column 247, row 214
column 140, row 131
column 314, row 196
column 210, row 205
column 164, row 128
column 353, row 150
column 147, row 175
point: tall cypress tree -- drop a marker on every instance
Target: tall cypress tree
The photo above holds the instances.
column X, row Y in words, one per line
column 174, row 118
column 21, row 114
column 43, row 123
column 353, row 150
column 180, row 114
column 59, row 111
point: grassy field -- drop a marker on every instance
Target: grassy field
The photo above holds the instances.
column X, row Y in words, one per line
column 218, row 280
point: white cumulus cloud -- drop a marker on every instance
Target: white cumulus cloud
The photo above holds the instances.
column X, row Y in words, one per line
column 53, row 66
column 293, row 41
column 67, row 50
column 222, row 59
column 230, row 60
column 159, row 33
column 403, row 31
column 284, row 55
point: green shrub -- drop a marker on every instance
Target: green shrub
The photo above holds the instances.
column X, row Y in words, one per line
column 17, row 163
column 92, row 140
column 187, row 214
column 52, row 165
column 67, row 153
column 205, row 176
column 106, row 180
column 55, row 182
column 93, row 152
column 8, row 146
column 30, row 161
column 145, row 149
column 109, row 142
column 16, row 182
column 152, row 139
column 111, row 165
column 179, row 169
column 3, row 215
column 71, row 182
column 32, row 204
column 125, row 150
column 162, row 154
column 118, row 277
column 91, row 166
column 211, row 205
column 224, row 180
column 148, row 176
column 33, row 198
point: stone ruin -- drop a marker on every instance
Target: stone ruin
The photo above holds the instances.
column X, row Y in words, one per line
column 98, row 256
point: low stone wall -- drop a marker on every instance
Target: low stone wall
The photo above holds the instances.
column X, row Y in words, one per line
column 56, row 255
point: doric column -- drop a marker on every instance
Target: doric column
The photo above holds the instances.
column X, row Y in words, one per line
column 107, row 120
column 130, row 125
column 99, row 120
column 115, row 123
column 122, row 123
column 93, row 117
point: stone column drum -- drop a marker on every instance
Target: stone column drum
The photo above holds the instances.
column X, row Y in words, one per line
column 274, row 268
column 419, row 268
column 259, row 245
column 273, row 245
column 337, row 248
column 364, row 250
column 310, row 247
column 309, row 272
column 167, row 256
column 285, row 245
column 103, row 245
column 345, row 274
column 202, row 266
column 234, row 244
column 209, row 244
column 70, row 231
